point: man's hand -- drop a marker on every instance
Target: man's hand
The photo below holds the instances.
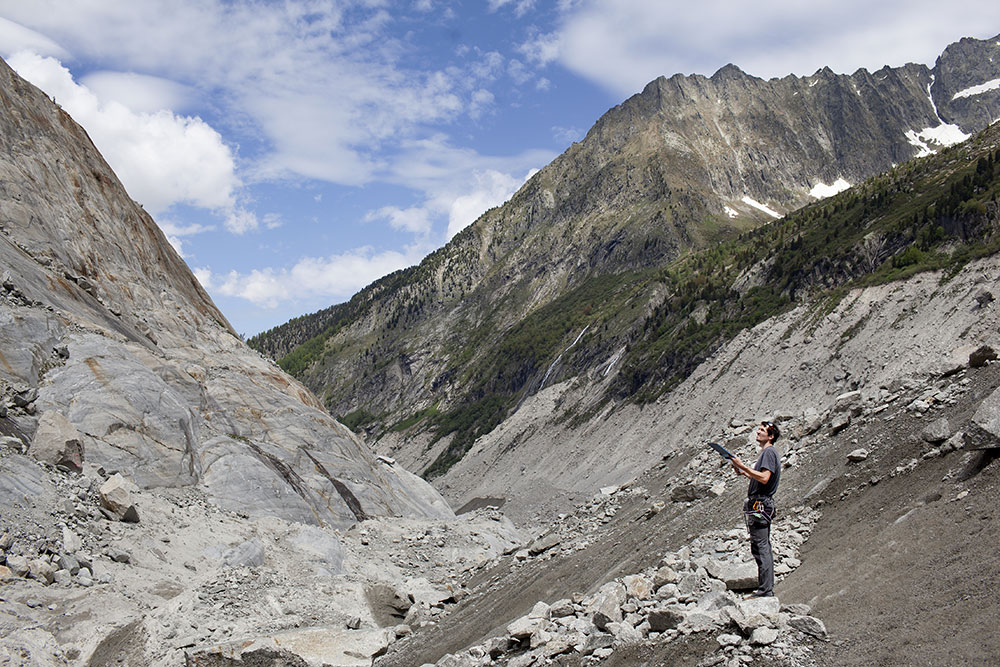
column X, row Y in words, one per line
column 738, row 466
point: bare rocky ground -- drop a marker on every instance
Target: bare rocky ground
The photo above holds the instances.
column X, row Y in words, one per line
column 79, row 586
column 891, row 550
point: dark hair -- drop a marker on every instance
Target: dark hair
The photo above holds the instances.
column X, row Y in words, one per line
column 773, row 431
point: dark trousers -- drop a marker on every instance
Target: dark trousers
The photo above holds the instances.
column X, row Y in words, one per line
column 760, row 547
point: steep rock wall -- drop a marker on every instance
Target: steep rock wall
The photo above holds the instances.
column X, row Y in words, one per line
column 101, row 321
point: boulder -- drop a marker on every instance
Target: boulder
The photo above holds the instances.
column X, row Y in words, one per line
column 858, row 455
column 19, row 565
column 638, row 586
column 68, row 563
column 71, row 541
column 524, row 627
column 606, row 606
column 812, row 421
column 937, row 431
column 664, row 575
column 23, row 399
column 116, row 494
column 809, row 625
column 839, row 422
column 763, row 636
column 42, row 570
column 422, row 591
column 57, row 442
column 596, row 642
column 700, row 621
column 625, row 634
column 249, row 553
column 559, row 645
column 981, row 356
column 543, row 544
column 768, row 606
column 661, row 620
column 985, row 428
column 737, row 576
column 846, row 401
column 690, row 492
column 540, row 610
column 715, row 600
column 562, row 608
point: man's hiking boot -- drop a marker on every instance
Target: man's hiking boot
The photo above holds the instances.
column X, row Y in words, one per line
column 758, row 594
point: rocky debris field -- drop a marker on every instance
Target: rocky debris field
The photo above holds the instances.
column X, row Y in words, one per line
column 96, row 571
column 697, row 589
column 652, row 572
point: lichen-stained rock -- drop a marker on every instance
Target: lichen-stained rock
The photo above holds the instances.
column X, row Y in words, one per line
column 102, row 322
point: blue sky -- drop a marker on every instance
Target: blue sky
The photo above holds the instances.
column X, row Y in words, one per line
column 296, row 151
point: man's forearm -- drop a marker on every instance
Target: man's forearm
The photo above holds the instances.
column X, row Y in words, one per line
column 761, row 476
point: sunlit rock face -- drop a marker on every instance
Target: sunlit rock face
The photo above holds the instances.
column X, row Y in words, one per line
column 103, row 323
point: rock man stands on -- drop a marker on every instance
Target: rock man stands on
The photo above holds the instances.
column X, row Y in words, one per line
column 759, row 506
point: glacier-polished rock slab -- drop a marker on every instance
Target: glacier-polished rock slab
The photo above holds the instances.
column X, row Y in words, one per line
column 102, row 320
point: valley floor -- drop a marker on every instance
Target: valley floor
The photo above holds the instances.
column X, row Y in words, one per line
column 901, row 564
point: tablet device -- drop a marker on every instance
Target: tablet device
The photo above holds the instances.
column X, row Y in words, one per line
column 723, row 452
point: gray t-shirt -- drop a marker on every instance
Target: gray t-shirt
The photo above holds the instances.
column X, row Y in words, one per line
column 768, row 460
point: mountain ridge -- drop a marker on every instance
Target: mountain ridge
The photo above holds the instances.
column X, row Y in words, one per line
column 681, row 165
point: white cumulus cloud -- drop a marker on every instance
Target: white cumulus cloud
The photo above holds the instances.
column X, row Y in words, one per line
column 335, row 277
column 162, row 159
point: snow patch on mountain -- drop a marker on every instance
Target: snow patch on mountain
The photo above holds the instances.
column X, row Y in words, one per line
column 760, row 207
column 731, row 212
column 822, row 190
column 942, row 135
column 978, row 90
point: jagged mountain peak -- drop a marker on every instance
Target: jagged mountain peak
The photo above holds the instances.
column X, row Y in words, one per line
column 730, row 72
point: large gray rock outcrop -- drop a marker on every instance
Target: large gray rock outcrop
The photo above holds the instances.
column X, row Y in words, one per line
column 103, row 323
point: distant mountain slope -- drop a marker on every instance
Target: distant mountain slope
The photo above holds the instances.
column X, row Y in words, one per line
column 546, row 287
column 106, row 335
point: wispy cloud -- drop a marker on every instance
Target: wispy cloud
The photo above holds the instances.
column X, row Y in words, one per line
column 641, row 40
column 327, row 85
column 15, row 37
column 459, row 184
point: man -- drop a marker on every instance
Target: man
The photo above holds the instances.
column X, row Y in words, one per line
column 759, row 506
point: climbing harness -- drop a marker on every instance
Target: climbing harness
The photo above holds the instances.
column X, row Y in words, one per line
column 759, row 511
